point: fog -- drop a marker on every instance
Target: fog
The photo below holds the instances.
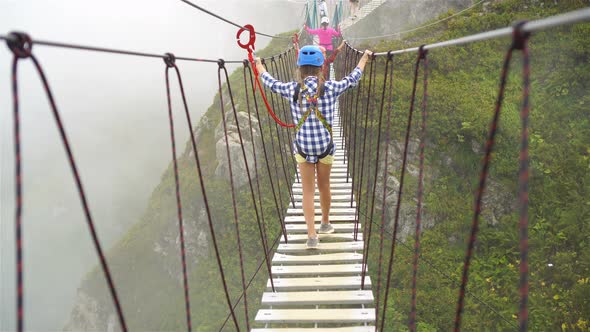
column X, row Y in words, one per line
column 115, row 114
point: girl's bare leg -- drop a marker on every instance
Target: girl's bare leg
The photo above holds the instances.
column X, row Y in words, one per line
column 324, row 188
column 307, row 171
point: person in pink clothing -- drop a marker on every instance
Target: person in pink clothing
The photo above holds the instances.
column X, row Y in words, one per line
column 325, row 34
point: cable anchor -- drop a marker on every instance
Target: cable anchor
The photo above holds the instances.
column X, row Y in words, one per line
column 20, row 44
column 170, row 60
column 519, row 36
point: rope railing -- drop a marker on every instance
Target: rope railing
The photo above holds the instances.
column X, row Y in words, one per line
column 384, row 194
column 369, row 207
column 231, row 180
column 170, row 63
column 519, row 42
column 420, row 193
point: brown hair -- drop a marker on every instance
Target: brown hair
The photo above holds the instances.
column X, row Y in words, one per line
column 305, row 71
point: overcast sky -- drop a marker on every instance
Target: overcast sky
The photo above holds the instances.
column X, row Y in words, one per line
column 114, row 109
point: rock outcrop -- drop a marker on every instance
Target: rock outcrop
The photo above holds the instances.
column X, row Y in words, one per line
column 250, row 142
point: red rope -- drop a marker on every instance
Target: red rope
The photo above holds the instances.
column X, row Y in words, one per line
column 21, row 46
column 169, row 61
column 420, row 195
column 519, row 43
column 249, row 46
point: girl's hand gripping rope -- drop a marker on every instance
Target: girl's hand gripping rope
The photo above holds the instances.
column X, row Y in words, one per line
column 257, row 68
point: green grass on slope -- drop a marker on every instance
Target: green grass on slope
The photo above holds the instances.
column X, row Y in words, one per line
column 463, row 86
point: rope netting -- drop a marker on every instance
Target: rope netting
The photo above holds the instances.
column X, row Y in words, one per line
column 363, row 128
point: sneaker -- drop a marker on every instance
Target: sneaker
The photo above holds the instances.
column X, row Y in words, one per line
column 326, row 228
column 312, row 242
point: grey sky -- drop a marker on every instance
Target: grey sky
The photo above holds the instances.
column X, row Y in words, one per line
column 114, row 109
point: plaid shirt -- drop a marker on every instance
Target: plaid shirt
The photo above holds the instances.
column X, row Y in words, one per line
column 313, row 137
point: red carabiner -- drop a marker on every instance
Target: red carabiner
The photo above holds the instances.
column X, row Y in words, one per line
column 295, row 38
column 249, row 46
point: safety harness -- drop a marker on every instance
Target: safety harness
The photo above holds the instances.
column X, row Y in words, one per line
column 313, row 106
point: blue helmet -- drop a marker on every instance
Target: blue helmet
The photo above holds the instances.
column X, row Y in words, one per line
column 310, row 55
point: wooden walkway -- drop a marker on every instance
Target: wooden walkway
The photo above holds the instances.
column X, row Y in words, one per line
column 319, row 289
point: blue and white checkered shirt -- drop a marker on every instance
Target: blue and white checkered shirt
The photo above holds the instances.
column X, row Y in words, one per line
column 313, row 137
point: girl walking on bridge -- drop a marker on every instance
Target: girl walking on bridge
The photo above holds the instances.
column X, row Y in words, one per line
column 313, row 102
column 325, row 34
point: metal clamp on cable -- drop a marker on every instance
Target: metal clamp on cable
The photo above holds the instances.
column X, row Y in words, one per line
column 519, row 36
column 422, row 52
column 170, row 60
column 20, row 44
column 389, row 55
column 221, row 63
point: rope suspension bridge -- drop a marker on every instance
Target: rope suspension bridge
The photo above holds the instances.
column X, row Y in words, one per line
column 327, row 289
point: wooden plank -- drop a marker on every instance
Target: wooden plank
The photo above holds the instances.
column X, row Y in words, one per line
column 341, row 170
column 318, row 298
column 334, row 191
column 339, row 167
column 319, row 329
column 301, row 219
column 334, row 177
column 335, row 198
column 338, row 228
column 340, row 178
column 316, row 270
column 315, row 315
column 300, row 284
column 341, row 257
column 323, row 246
column 335, row 170
column 296, row 238
column 299, row 204
column 333, row 185
column 333, row 211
